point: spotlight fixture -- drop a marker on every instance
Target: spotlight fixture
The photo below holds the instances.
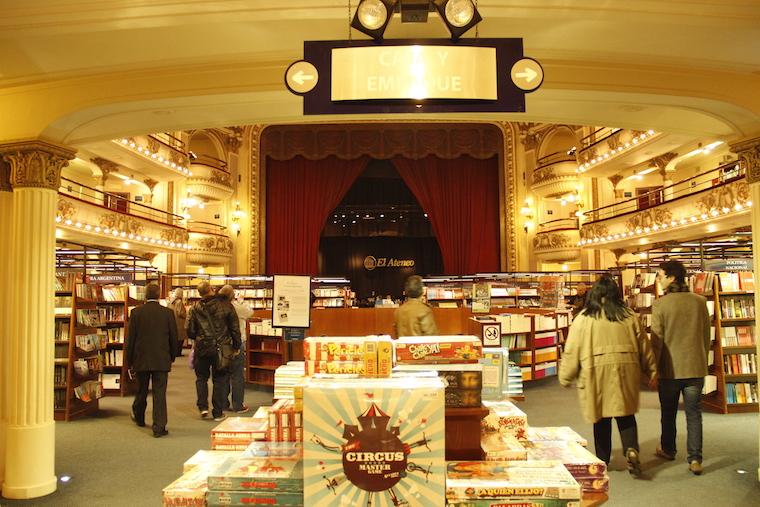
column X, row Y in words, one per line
column 458, row 15
column 372, row 17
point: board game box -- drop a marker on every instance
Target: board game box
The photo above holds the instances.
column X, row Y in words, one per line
column 276, row 498
column 187, row 491
column 505, row 417
column 374, row 439
column 579, row 461
column 438, row 349
column 562, row 433
column 207, row 460
column 502, row 447
column 257, row 474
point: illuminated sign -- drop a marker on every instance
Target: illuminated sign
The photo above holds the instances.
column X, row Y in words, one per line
column 371, row 263
column 414, row 72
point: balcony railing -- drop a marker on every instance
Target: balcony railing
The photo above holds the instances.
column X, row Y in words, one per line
column 598, row 135
column 170, row 141
column 561, row 224
column 704, row 181
column 210, row 161
column 554, row 158
column 117, row 203
column 206, row 228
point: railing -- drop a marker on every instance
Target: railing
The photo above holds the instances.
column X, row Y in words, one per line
column 206, row 228
column 704, row 181
column 170, row 141
column 117, row 203
column 213, row 162
column 560, row 224
column 554, row 158
column 599, row 134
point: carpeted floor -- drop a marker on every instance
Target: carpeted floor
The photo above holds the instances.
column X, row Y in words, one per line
column 111, row 462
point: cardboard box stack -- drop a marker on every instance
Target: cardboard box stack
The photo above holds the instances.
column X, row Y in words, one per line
column 256, row 480
column 503, row 483
column 370, row 356
column 236, row 433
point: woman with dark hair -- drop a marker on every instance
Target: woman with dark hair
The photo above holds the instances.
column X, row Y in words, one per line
column 607, row 352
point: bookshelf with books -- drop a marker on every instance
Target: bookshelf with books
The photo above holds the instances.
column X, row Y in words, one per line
column 533, row 338
column 63, row 325
column 447, row 295
column 266, row 350
column 331, row 296
column 731, row 384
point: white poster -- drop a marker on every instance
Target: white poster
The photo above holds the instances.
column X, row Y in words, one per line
column 292, row 301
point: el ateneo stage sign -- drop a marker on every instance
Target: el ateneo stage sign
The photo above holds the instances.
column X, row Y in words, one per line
column 404, row 76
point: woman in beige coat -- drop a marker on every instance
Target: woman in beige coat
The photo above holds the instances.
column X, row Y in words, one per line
column 607, row 352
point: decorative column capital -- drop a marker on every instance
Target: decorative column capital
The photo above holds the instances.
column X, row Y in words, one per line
column 5, row 176
column 749, row 157
column 36, row 163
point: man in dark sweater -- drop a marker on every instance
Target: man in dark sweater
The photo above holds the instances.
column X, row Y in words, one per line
column 151, row 349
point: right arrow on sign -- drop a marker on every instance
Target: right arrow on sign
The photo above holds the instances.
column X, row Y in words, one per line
column 527, row 74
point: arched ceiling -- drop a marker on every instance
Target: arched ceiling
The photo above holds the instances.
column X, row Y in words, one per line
column 78, row 71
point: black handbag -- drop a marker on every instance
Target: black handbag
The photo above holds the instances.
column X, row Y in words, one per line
column 225, row 353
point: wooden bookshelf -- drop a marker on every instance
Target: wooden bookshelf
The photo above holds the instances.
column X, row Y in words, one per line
column 734, row 356
column 266, row 352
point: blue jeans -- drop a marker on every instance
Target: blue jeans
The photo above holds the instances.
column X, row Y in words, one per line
column 670, row 391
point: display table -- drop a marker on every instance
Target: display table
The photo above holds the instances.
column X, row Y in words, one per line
column 593, row 499
column 463, row 433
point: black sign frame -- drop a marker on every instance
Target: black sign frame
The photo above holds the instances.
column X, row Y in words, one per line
column 510, row 98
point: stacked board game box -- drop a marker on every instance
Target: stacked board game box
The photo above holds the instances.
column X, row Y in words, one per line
column 514, row 386
column 286, row 378
column 256, row 480
column 438, row 349
column 505, row 417
column 494, row 361
column 370, row 356
column 464, row 381
column 236, row 433
column 187, row 491
column 207, row 460
column 555, row 433
column 585, row 467
column 374, row 440
column 502, row 447
column 488, row 483
column 291, row 450
column 285, row 422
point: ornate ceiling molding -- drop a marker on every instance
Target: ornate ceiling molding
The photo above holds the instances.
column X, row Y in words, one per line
column 749, row 156
column 36, row 163
column 381, row 140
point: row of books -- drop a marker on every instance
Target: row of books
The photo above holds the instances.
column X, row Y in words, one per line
column 514, row 341
column 329, row 293
column 59, row 375
column 737, row 281
column 90, row 342
column 740, row 364
column 114, row 313
column 741, row 392
column 739, row 336
column 84, row 367
column 737, row 308
column 113, row 357
column 95, row 317
column 89, row 391
column 519, row 323
column 115, row 334
column 65, row 281
column 444, row 293
column 87, row 291
column 62, row 330
column 330, row 303
column 63, row 305
column 114, row 293
column 59, row 399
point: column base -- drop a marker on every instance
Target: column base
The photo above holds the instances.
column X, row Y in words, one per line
column 30, row 461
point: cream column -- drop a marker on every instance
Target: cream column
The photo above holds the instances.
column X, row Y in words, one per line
column 749, row 154
column 6, row 215
column 27, row 369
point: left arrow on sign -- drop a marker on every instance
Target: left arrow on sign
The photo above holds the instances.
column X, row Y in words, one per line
column 301, row 77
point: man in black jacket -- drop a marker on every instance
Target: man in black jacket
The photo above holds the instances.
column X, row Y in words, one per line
column 212, row 322
column 151, row 350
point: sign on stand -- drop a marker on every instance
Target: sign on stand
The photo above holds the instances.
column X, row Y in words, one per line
column 291, row 305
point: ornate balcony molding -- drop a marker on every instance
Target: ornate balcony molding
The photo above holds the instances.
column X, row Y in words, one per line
column 610, row 145
column 210, row 249
column 557, row 246
column 99, row 225
column 724, row 207
column 555, row 179
column 210, row 183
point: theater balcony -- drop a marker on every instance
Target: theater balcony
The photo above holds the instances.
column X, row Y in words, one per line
column 210, row 245
column 93, row 217
column 708, row 204
column 555, row 174
column 606, row 150
column 557, row 241
column 161, row 156
column 210, row 180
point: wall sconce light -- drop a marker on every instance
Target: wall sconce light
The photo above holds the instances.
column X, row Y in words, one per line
column 237, row 216
column 527, row 212
column 458, row 15
column 372, row 17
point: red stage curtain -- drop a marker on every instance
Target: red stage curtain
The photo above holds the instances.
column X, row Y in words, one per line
column 461, row 198
column 301, row 193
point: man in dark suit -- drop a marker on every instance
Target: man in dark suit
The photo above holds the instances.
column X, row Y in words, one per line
column 151, row 349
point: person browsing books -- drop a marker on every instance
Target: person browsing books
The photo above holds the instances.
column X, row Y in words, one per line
column 607, row 352
column 152, row 347
column 177, row 305
column 237, row 369
column 212, row 324
column 681, row 342
column 414, row 317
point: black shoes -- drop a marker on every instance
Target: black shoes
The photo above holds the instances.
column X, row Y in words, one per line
column 161, row 433
column 139, row 422
column 634, row 465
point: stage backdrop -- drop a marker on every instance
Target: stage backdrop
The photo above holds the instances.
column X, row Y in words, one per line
column 353, row 258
